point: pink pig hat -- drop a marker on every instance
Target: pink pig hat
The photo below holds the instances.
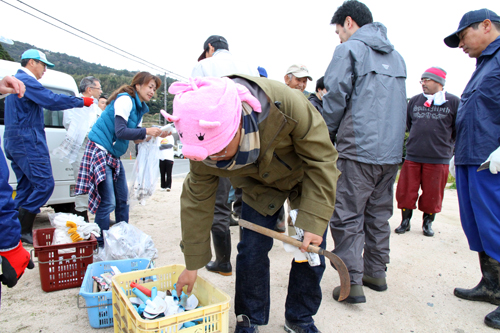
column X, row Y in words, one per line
column 207, row 114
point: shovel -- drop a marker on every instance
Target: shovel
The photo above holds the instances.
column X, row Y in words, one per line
column 345, row 281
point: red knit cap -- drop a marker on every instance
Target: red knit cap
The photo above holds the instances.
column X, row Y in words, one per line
column 435, row 73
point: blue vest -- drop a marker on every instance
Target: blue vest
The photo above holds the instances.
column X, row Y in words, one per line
column 103, row 131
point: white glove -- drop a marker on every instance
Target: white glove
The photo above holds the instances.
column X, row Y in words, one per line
column 494, row 160
column 452, row 166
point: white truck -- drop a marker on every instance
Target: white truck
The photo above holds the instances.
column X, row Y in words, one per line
column 62, row 199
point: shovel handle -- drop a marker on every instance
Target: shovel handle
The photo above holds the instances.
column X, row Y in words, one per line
column 345, row 285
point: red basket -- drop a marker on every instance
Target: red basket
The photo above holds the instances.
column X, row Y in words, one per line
column 58, row 269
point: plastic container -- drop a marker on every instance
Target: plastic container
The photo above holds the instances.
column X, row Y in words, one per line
column 62, row 266
column 99, row 305
column 214, row 304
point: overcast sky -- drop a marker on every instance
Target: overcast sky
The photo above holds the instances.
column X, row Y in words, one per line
column 272, row 34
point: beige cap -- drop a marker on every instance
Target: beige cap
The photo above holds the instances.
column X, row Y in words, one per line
column 299, row 71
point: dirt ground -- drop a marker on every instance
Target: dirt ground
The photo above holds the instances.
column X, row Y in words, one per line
column 421, row 277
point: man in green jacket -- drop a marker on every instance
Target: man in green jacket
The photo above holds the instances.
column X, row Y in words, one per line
column 274, row 145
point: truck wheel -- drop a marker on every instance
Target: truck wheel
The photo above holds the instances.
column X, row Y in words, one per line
column 64, row 208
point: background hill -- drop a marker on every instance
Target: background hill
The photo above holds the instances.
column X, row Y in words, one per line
column 110, row 78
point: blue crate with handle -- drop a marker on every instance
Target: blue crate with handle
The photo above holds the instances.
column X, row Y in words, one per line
column 99, row 305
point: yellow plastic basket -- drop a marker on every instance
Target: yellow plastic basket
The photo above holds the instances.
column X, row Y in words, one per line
column 214, row 304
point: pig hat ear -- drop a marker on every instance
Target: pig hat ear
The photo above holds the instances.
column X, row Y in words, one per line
column 168, row 117
column 246, row 96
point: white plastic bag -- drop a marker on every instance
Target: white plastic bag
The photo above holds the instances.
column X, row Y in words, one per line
column 146, row 172
column 312, row 258
column 124, row 241
column 75, row 136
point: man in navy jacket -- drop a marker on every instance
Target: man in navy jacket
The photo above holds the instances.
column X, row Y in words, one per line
column 477, row 148
column 13, row 257
column 24, row 139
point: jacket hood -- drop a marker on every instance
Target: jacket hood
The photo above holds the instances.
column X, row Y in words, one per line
column 374, row 35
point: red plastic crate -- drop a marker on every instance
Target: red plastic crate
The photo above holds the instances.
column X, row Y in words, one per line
column 60, row 270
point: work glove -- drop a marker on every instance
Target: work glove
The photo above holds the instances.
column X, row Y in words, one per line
column 88, row 101
column 494, row 160
column 452, row 167
column 14, row 262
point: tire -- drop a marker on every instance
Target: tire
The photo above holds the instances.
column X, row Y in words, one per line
column 64, row 208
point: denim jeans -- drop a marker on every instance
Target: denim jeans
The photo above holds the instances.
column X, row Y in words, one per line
column 114, row 195
column 252, row 296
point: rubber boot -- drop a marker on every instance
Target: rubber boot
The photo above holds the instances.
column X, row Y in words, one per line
column 281, row 223
column 427, row 224
column 356, row 295
column 377, row 284
column 222, row 245
column 405, row 222
column 488, row 289
column 26, row 218
column 492, row 319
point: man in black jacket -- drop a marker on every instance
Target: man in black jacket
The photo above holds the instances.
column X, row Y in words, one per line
column 316, row 99
column 429, row 148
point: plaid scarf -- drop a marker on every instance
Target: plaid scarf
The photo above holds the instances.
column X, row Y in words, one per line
column 249, row 148
column 93, row 171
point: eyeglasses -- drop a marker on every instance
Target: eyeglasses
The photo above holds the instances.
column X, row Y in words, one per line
column 424, row 81
column 40, row 62
column 100, row 88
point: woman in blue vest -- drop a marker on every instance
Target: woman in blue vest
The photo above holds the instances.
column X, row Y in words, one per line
column 101, row 173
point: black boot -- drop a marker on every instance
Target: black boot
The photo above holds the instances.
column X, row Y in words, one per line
column 222, row 245
column 492, row 319
column 26, row 218
column 427, row 224
column 405, row 223
column 488, row 289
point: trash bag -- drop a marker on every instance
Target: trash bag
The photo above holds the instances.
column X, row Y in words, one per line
column 124, row 241
column 75, row 136
column 146, row 172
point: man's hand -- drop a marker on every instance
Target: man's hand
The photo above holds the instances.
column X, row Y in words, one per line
column 312, row 239
column 14, row 262
column 494, row 160
column 88, row 101
column 187, row 278
column 11, row 85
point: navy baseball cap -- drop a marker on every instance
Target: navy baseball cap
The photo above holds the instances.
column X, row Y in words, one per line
column 38, row 55
column 467, row 20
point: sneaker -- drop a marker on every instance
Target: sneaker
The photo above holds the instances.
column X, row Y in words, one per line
column 168, row 189
column 243, row 325
column 292, row 328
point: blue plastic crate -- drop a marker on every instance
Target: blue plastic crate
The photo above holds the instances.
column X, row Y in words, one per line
column 99, row 305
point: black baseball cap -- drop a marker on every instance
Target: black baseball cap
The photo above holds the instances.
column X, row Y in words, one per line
column 212, row 39
column 467, row 20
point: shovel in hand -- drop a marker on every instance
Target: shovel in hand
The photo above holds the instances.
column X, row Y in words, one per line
column 345, row 281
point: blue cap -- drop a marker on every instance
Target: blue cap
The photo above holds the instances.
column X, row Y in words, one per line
column 38, row 55
column 467, row 20
column 262, row 71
